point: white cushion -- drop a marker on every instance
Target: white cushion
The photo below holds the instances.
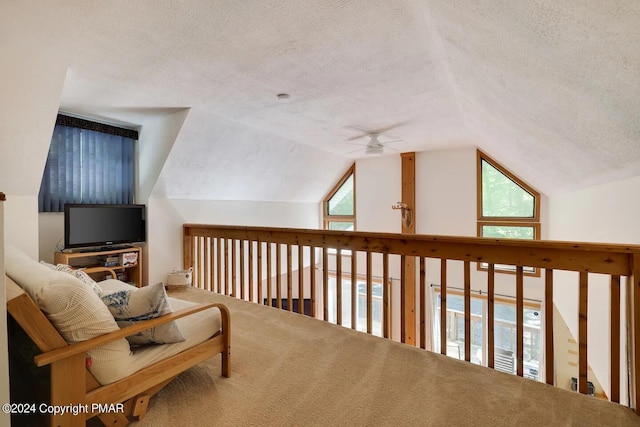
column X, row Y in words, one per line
column 196, row 328
column 131, row 305
column 74, row 310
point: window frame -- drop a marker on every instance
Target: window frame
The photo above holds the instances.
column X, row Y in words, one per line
column 326, row 217
column 533, row 221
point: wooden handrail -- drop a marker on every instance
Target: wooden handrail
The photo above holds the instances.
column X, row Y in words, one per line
column 206, row 249
column 593, row 258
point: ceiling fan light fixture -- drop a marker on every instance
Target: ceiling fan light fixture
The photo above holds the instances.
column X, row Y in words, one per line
column 284, row 97
column 373, row 150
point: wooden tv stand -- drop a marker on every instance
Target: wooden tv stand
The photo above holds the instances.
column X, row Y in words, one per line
column 90, row 262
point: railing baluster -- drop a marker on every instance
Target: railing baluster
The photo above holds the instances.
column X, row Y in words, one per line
column 633, row 326
column 226, row 267
column 259, row 272
column 312, row 267
column 250, row 273
column 385, row 295
column 391, row 305
column 443, row 306
column 403, row 300
column 278, row 275
column 234, row 267
column 548, row 327
column 325, row 284
column 354, row 289
column 520, row 320
column 187, row 249
column 269, row 273
column 339, row 286
column 491, row 316
column 289, row 279
column 583, row 292
column 206, row 284
column 219, row 265
column 196, row 260
column 423, row 296
column 614, row 292
column 369, row 294
column 300, row 279
column 212, row 262
column 467, row 311
column 242, row 278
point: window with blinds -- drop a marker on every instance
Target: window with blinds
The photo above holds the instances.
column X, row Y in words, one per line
column 88, row 162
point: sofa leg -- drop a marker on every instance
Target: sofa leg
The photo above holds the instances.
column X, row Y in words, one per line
column 113, row 419
column 140, row 406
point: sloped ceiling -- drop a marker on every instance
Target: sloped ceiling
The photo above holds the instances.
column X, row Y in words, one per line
column 551, row 89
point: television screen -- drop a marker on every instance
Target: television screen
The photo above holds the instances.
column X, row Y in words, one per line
column 88, row 225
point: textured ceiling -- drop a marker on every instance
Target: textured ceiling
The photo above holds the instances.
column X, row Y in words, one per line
column 550, row 88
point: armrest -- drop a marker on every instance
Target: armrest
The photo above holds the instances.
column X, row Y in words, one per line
column 91, row 270
column 84, row 346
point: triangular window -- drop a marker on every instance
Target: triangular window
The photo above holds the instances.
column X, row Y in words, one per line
column 339, row 206
column 502, row 196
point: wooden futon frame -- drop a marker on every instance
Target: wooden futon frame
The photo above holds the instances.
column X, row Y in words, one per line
column 73, row 384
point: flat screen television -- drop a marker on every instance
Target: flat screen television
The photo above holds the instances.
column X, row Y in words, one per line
column 91, row 225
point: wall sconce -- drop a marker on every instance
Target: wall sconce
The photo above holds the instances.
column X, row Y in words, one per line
column 407, row 214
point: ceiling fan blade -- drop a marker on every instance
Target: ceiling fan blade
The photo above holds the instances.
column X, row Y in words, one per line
column 388, row 128
column 393, row 140
column 353, row 138
column 354, row 143
column 391, row 148
column 355, row 151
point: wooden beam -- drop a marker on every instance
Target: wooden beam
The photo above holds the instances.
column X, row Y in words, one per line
column 409, row 199
column 634, row 327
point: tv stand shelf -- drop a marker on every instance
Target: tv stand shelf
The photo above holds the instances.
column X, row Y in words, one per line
column 90, row 261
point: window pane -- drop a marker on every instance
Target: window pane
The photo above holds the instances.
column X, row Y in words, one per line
column 508, row 232
column 361, row 305
column 341, row 203
column 505, row 340
column 455, row 327
column 341, row 226
column 501, row 197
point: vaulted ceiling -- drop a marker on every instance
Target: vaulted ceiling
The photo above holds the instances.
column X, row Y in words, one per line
column 552, row 89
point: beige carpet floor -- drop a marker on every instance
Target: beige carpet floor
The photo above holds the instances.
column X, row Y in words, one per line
column 290, row 370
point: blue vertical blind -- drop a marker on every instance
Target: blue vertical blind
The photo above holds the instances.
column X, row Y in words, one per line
column 87, row 166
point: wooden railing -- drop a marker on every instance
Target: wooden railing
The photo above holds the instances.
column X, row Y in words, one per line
column 258, row 264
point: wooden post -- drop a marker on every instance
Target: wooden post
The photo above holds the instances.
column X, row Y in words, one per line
column 634, row 327
column 409, row 198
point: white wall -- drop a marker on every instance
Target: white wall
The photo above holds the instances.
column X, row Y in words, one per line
column 166, row 217
column 604, row 213
column 446, row 192
column 21, row 223
column 378, row 187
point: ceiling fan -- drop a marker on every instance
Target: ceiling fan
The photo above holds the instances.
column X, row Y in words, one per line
column 374, row 147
